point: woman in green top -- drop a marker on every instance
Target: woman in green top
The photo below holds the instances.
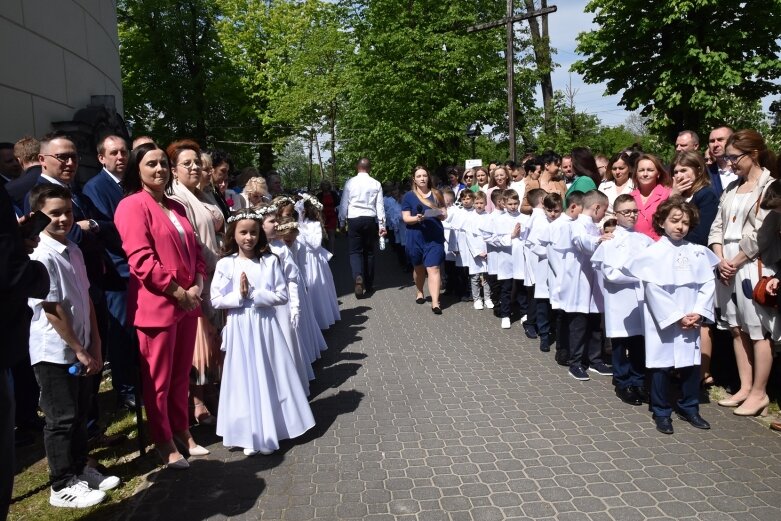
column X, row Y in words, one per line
column 584, row 166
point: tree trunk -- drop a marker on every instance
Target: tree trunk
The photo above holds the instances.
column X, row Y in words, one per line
column 542, row 55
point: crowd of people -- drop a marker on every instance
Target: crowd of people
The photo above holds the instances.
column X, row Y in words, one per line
column 215, row 299
column 216, row 289
column 650, row 258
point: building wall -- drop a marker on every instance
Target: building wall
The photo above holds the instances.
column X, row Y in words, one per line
column 54, row 55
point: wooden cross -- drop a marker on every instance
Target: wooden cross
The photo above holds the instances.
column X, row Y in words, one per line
column 508, row 22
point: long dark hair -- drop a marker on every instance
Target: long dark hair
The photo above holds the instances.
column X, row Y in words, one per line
column 131, row 182
column 231, row 246
column 584, row 164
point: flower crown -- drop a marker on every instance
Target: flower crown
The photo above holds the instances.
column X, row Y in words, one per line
column 266, row 210
column 245, row 214
column 282, row 201
column 311, row 199
column 287, row 226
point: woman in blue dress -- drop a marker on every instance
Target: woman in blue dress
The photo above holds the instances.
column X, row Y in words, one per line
column 423, row 210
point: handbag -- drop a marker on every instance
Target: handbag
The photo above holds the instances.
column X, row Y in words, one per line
column 760, row 293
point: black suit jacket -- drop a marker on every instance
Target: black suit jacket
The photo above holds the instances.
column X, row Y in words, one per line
column 19, row 187
column 20, row 279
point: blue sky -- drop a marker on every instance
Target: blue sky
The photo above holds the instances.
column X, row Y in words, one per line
column 564, row 26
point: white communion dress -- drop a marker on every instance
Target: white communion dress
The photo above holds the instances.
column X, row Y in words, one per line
column 262, row 399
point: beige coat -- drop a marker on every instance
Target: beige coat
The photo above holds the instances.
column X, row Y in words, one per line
column 749, row 244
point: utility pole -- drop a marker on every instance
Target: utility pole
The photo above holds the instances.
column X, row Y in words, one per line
column 508, row 22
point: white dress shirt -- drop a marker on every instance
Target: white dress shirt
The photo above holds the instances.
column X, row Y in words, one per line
column 69, row 286
column 362, row 197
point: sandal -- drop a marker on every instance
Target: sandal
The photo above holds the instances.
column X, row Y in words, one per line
column 205, row 417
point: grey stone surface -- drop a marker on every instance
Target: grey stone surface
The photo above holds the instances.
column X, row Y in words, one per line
column 423, row 417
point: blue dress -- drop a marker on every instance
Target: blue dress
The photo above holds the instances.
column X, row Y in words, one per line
column 425, row 243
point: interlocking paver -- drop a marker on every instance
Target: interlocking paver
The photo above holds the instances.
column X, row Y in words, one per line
column 432, row 418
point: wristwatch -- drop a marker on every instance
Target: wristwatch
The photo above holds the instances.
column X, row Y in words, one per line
column 94, row 227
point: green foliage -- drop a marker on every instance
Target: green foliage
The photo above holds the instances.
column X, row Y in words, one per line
column 176, row 80
column 686, row 64
column 421, row 79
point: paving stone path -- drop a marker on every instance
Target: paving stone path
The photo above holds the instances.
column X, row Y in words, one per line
column 428, row 418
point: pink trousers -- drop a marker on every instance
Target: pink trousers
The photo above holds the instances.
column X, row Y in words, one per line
column 166, row 359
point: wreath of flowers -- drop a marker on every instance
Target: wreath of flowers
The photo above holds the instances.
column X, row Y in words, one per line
column 266, row 210
column 282, row 201
column 311, row 199
column 255, row 216
column 287, row 226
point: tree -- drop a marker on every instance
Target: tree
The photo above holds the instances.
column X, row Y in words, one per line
column 420, row 80
column 176, row 80
column 542, row 56
column 686, row 64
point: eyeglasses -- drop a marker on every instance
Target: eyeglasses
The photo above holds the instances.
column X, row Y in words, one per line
column 469, row 177
column 190, row 164
column 732, row 158
column 627, row 213
column 64, row 158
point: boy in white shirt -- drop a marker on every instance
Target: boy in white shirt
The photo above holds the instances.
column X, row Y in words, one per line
column 580, row 295
column 63, row 332
column 478, row 268
column 509, row 249
column 537, row 261
column 487, row 229
column 623, row 301
column 556, row 269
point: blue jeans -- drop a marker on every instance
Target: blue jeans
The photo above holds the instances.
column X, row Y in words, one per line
column 65, row 402
column 628, row 361
column 689, row 402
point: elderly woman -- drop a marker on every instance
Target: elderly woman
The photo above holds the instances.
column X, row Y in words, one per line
column 163, row 298
column 734, row 238
column 208, row 221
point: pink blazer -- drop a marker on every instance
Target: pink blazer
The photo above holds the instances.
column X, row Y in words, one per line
column 645, row 220
column 156, row 256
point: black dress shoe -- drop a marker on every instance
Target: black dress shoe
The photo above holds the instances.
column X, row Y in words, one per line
column 629, row 395
column 127, row 402
column 664, row 424
column 696, row 420
column 437, row 310
column 643, row 394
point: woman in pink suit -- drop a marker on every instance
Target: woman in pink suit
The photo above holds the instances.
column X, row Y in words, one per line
column 164, row 297
column 652, row 188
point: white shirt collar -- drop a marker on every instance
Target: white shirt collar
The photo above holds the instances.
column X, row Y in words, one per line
column 112, row 176
column 53, row 244
column 54, row 180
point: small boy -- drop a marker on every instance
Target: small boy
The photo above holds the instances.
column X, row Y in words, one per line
column 64, row 331
column 581, row 296
column 464, row 260
column 509, row 250
column 623, row 307
column 478, row 251
column 537, row 263
column 487, row 230
column 610, row 225
column 450, row 282
column 556, row 269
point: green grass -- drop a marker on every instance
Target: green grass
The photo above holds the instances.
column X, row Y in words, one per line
column 719, row 393
column 31, row 488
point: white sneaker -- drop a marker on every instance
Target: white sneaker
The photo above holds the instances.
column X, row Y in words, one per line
column 478, row 304
column 489, row 304
column 98, row 481
column 506, row 323
column 76, row 494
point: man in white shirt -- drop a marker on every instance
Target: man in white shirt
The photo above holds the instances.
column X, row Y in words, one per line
column 363, row 210
column 720, row 172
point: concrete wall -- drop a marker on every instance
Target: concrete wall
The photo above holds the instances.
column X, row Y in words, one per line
column 54, row 55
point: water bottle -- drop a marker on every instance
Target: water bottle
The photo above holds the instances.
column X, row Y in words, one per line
column 76, row 369
column 382, row 243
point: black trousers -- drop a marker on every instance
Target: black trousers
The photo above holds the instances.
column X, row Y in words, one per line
column 362, row 235
column 585, row 338
column 7, row 465
column 65, row 401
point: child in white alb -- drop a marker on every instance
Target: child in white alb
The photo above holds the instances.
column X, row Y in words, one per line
column 623, row 301
column 580, row 295
column 262, row 399
column 478, row 252
column 677, row 299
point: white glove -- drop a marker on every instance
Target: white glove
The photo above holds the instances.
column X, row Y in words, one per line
column 294, row 318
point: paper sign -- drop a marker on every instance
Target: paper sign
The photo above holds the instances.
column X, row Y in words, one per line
column 471, row 163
